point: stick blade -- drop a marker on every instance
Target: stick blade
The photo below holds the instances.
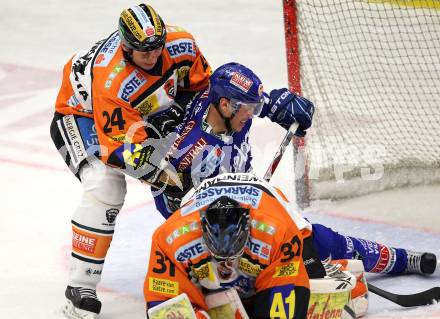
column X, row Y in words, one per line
column 427, row 297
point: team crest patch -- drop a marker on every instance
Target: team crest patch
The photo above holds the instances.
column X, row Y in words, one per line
column 111, row 214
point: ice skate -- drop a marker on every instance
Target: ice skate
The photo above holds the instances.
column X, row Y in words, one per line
column 420, row 263
column 82, row 303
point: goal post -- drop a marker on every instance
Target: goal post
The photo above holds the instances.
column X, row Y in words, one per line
column 372, row 69
column 301, row 170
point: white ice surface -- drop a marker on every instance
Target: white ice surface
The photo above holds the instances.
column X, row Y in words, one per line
column 39, row 194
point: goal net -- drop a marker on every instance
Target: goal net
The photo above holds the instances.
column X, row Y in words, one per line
column 372, row 69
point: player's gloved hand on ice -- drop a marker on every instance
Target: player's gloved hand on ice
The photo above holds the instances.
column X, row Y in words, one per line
column 285, row 108
column 164, row 123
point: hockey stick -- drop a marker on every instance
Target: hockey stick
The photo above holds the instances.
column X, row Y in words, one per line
column 423, row 298
column 280, row 152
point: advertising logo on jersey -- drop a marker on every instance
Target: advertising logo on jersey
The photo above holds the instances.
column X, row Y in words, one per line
column 191, row 250
column 181, row 47
column 108, row 51
column 131, row 85
column 205, row 271
column 210, row 163
column 263, row 227
column 245, row 194
column 163, row 286
column 89, row 135
column 188, row 127
column 181, row 231
column 148, row 105
column 249, row 268
column 241, row 81
column 192, row 153
column 112, row 75
column 233, row 177
column 169, row 88
column 289, row 270
column 73, row 101
column 258, row 248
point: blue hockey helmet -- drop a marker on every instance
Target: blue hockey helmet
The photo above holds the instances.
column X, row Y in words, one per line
column 238, row 84
column 225, row 228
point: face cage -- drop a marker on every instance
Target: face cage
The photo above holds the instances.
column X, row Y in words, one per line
column 211, row 238
column 254, row 108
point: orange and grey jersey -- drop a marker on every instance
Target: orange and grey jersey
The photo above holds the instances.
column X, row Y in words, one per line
column 272, row 259
column 104, row 85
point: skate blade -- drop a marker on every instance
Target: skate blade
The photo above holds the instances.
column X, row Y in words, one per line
column 74, row 313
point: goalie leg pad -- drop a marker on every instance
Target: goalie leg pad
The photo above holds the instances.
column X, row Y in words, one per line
column 359, row 294
column 343, row 294
column 330, row 295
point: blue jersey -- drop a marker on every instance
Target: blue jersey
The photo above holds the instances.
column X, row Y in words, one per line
column 204, row 154
column 201, row 152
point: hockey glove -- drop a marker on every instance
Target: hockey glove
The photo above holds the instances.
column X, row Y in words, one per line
column 164, row 123
column 285, row 108
column 174, row 194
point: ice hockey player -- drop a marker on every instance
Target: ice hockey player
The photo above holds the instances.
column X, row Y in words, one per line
column 214, row 138
column 237, row 231
column 107, row 93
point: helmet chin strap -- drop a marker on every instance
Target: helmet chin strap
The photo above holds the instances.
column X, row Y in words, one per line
column 227, row 120
column 128, row 54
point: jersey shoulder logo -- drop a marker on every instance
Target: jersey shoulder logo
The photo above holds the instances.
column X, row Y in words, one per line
column 131, row 85
column 191, row 250
column 181, row 47
column 108, row 50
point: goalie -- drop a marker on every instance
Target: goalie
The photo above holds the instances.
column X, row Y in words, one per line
column 238, row 232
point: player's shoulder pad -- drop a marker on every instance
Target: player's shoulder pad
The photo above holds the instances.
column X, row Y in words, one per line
column 179, row 229
column 176, row 32
column 181, row 45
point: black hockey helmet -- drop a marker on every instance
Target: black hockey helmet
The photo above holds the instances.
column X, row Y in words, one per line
column 141, row 28
column 225, row 227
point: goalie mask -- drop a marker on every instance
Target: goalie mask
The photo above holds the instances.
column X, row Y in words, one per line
column 225, row 228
